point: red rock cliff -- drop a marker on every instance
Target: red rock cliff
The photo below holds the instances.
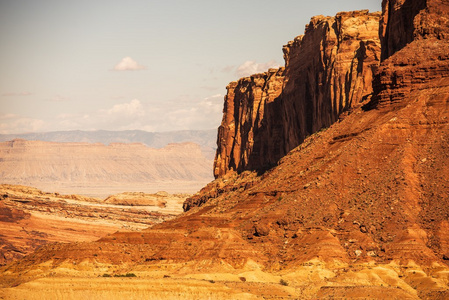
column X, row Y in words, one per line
column 415, row 51
column 404, row 21
column 327, row 70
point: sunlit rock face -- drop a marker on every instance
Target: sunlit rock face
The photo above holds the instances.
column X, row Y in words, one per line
column 327, row 70
column 359, row 210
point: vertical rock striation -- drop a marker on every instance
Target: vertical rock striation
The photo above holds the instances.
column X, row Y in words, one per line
column 244, row 111
column 404, row 21
column 327, row 70
column 415, row 50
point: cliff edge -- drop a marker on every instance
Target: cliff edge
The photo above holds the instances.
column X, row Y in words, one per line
column 358, row 210
column 327, row 70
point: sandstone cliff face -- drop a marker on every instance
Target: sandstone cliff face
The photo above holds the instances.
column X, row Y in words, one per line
column 404, row 21
column 415, row 51
column 327, row 70
column 244, row 112
column 359, row 210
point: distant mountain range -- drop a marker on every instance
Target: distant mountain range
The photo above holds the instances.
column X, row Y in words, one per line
column 205, row 138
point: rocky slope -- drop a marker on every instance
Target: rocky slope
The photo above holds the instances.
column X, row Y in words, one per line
column 359, row 210
column 327, row 70
column 100, row 170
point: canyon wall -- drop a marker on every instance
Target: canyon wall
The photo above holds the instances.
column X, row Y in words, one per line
column 327, row 70
column 404, row 21
column 415, row 52
column 359, row 210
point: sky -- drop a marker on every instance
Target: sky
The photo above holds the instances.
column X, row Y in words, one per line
column 139, row 64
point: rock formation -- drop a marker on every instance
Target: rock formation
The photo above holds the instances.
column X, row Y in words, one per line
column 415, row 51
column 100, row 170
column 205, row 138
column 358, row 210
column 327, row 70
column 30, row 218
column 404, row 21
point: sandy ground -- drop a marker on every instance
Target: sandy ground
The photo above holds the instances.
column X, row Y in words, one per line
column 313, row 280
column 99, row 191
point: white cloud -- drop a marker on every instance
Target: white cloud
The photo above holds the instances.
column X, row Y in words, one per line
column 11, row 123
column 204, row 114
column 123, row 116
column 133, row 108
column 179, row 114
column 251, row 67
column 128, row 64
column 212, row 104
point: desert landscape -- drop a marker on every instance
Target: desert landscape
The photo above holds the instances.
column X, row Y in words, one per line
column 331, row 182
column 30, row 218
column 99, row 170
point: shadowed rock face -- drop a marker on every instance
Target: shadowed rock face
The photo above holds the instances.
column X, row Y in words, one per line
column 383, row 163
column 415, row 51
column 327, row 70
column 404, row 21
column 362, row 207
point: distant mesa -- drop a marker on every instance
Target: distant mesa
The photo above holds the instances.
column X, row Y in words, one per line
column 205, row 138
column 331, row 180
column 100, row 170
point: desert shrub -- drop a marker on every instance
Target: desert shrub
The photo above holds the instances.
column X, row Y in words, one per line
column 283, row 282
column 125, row 275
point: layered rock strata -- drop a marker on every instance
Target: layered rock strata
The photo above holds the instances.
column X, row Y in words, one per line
column 99, row 170
column 327, row 70
column 404, row 21
column 30, row 218
column 359, row 210
column 415, row 52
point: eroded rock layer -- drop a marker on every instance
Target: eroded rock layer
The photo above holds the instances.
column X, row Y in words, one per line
column 415, row 51
column 359, row 210
column 327, row 70
column 100, row 170
column 30, row 218
column 404, row 21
